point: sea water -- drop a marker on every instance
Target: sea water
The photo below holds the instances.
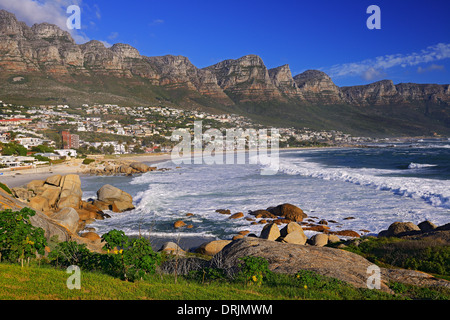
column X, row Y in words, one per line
column 373, row 186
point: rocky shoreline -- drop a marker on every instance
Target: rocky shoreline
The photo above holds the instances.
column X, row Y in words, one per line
column 60, row 199
column 116, row 167
column 61, row 212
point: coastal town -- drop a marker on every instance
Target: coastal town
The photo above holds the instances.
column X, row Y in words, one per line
column 33, row 136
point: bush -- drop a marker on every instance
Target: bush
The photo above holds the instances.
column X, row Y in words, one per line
column 115, row 239
column 253, row 270
column 19, row 240
column 418, row 254
column 88, row 161
column 208, row 274
column 128, row 260
column 140, row 259
column 71, row 253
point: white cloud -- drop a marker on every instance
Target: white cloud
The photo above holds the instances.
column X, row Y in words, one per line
column 106, row 43
column 157, row 22
column 97, row 12
column 433, row 67
column 113, row 35
column 54, row 12
column 373, row 74
column 369, row 67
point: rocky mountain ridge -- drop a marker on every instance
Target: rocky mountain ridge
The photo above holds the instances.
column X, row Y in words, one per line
column 45, row 51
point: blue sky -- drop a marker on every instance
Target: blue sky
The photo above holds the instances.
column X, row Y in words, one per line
column 413, row 44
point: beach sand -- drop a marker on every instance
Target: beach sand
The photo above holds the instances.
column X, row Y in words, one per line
column 21, row 177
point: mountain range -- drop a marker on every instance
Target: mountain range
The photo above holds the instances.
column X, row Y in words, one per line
column 42, row 64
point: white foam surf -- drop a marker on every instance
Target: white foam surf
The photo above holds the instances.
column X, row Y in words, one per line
column 434, row 192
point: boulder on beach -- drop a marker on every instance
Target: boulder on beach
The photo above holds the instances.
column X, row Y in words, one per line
column 290, row 227
column 426, row 226
column 139, row 166
column 223, row 211
column 237, row 215
column 34, row 185
column 172, row 248
column 270, row 232
column 263, row 214
column 296, row 237
column 293, row 233
column 213, row 247
column 119, row 200
column 179, row 224
column 319, row 240
column 399, row 228
column 92, row 236
column 52, row 194
column 39, row 203
column 288, row 211
column 67, row 217
column 51, row 227
column 71, row 193
column 23, row 194
column 347, row 233
column 290, row 258
column 54, row 180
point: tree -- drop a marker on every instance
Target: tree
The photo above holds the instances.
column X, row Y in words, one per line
column 14, row 149
column 42, row 149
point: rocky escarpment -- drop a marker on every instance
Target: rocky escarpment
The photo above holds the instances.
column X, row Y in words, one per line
column 246, row 78
column 282, row 78
column 179, row 72
column 46, row 49
column 385, row 92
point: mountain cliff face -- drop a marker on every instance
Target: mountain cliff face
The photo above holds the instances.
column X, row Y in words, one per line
column 47, row 52
column 316, row 86
column 245, row 79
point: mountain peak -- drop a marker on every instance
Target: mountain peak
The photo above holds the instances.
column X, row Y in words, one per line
column 125, row 50
column 9, row 25
column 51, row 32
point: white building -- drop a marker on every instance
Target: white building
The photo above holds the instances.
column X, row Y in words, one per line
column 28, row 142
column 66, row 152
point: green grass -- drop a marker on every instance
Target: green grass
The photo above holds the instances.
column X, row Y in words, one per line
column 47, row 283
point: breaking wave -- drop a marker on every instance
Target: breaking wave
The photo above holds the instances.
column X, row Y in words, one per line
column 433, row 192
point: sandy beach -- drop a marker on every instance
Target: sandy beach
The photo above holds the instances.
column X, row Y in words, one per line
column 22, row 177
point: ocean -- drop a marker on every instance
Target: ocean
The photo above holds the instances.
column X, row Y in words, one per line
column 355, row 188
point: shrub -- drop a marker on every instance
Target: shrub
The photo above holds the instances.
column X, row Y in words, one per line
column 418, row 254
column 208, row 274
column 71, row 253
column 88, row 161
column 253, row 270
column 19, row 240
column 115, row 239
column 139, row 259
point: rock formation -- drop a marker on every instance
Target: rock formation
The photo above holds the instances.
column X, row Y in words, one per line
column 62, row 224
column 114, row 198
column 59, row 207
